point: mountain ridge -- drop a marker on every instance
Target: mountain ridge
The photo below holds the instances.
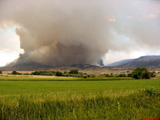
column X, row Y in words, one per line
column 143, row 61
column 31, row 66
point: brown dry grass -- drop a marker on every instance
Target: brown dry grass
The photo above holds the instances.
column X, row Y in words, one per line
column 9, row 72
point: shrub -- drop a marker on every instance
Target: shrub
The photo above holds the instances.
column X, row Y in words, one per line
column 26, row 74
column 15, row 73
column 65, row 72
column 92, row 76
column 111, row 75
column 107, row 75
column 0, row 72
column 85, row 76
column 151, row 91
column 129, row 75
column 47, row 73
column 152, row 74
column 66, row 75
column 121, row 75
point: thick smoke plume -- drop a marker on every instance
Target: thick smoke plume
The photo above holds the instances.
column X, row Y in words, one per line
column 65, row 32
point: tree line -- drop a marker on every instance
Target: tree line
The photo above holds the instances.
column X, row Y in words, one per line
column 138, row 73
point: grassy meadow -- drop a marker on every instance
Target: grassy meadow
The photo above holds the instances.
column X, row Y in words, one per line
column 56, row 98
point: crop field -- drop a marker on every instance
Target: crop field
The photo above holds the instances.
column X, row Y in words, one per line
column 37, row 97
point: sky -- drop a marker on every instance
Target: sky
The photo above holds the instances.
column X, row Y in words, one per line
column 81, row 32
column 9, row 45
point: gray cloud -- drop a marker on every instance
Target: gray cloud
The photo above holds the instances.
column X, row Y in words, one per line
column 59, row 32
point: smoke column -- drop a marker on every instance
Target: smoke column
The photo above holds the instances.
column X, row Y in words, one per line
column 65, row 32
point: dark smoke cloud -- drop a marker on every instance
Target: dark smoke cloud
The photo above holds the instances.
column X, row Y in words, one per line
column 100, row 62
column 64, row 32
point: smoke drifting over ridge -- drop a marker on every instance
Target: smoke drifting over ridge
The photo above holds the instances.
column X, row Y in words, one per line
column 60, row 32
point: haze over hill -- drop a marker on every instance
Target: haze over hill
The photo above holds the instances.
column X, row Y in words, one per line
column 144, row 61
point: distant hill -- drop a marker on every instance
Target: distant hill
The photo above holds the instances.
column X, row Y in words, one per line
column 31, row 66
column 25, row 67
column 144, row 61
column 118, row 63
column 82, row 66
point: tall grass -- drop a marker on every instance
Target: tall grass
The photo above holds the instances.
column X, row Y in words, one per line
column 145, row 103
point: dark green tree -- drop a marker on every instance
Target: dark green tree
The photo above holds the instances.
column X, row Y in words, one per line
column 145, row 75
column 14, row 72
column 73, row 72
column 58, row 73
column 0, row 71
column 140, row 73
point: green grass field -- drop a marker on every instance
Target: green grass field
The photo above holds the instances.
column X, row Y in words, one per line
column 76, row 98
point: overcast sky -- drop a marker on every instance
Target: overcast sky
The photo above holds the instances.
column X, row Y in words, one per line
column 122, row 29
